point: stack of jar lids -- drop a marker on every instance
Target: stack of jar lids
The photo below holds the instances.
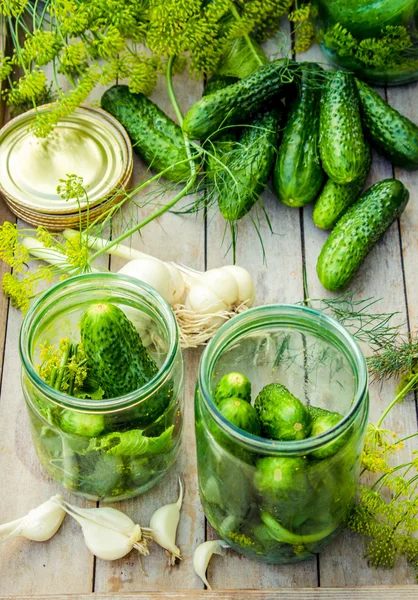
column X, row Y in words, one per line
column 89, row 143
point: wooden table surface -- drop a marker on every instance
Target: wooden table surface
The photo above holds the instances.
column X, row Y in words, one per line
column 63, row 566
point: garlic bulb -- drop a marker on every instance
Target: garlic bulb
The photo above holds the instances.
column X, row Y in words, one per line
column 39, row 525
column 164, row 524
column 201, row 302
column 202, row 556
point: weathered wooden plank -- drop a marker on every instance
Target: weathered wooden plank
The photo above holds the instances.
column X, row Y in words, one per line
column 341, row 564
column 5, row 215
column 178, row 238
column 278, row 279
column 405, row 99
column 27, row 567
column 349, row 593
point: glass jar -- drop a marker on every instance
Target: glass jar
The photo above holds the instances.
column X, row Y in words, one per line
column 282, row 501
column 377, row 39
column 107, row 449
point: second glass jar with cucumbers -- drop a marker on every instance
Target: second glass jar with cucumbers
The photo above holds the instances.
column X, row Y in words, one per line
column 281, row 411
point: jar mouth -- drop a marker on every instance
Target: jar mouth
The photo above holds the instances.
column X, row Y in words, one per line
column 135, row 287
column 289, row 316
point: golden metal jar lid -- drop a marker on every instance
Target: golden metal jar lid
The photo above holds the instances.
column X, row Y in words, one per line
column 89, row 143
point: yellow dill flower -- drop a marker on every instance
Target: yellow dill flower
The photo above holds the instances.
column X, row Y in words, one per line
column 12, row 8
column 107, row 45
column 304, row 36
column 45, row 237
column 40, row 47
column 71, row 188
column 5, row 67
column 20, row 292
column 50, row 356
column 45, row 122
column 300, row 14
column 12, row 251
column 30, row 88
column 72, row 16
column 73, row 59
column 144, row 76
column 241, row 539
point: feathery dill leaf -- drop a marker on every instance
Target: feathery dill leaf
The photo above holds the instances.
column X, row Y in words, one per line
column 394, row 48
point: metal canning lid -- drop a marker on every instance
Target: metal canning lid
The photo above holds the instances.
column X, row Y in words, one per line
column 89, row 143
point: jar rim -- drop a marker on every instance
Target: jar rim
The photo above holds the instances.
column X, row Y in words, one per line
column 230, row 332
column 108, row 404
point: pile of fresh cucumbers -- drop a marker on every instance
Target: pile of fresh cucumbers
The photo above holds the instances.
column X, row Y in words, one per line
column 308, row 128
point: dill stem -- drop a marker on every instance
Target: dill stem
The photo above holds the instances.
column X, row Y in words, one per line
column 237, row 17
column 398, row 397
column 61, row 368
column 188, row 187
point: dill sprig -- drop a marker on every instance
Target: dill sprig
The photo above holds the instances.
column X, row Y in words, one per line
column 393, row 49
column 376, row 329
column 388, row 526
column 95, row 42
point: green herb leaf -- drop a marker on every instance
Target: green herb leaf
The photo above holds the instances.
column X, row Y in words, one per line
column 241, row 58
column 132, row 443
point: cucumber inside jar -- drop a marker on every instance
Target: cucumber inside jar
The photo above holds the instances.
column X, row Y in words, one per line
column 105, row 455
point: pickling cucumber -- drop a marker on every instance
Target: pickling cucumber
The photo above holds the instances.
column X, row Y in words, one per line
column 298, row 175
column 234, row 103
column 341, row 141
column 358, row 230
column 218, row 82
column 336, row 198
column 394, row 135
column 154, row 136
column 116, row 357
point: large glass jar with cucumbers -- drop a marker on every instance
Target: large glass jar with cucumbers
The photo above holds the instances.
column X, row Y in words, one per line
column 281, row 412
column 377, row 39
column 102, row 378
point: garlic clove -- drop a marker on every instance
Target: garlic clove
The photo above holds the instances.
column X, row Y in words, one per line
column 202, row 556
column 104, row 542
column 109, row 533
column 163, row 525
column 39, row 525
column 246, row 289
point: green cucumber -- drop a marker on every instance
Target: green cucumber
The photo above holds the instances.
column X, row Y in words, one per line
column 154, row 136
column 218, row 82
column 394, row 135
column 235, row 102
column 282, row 415
column 232, row 384
column 240, row 413
column 116, row 357
column 247, row 164
column 358, row 230
column 335, row 198
column 298, row 175
column 341, row 141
